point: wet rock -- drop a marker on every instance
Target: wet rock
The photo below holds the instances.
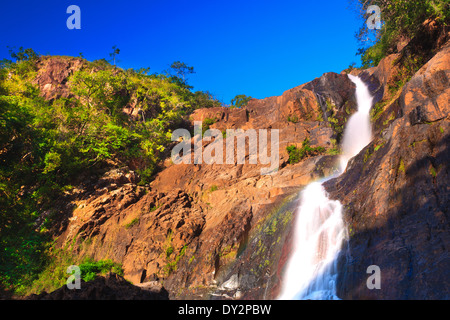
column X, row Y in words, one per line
column 231, row 284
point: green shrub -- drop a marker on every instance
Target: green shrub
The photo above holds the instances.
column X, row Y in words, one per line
column 207, row 123
column 377, row 110
column 334, row 151
column 171, row 265
column 433, row 171
column 90, row 269
column 132, row 223
column 401, row 167
column 293, row 119
column 295, row 154
column 169, row 251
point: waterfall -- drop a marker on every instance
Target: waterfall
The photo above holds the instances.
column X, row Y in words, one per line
column 319, row 229
column 358, row 131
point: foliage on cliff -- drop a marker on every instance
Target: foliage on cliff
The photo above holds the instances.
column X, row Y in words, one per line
column 48, row 145
column 401, row 19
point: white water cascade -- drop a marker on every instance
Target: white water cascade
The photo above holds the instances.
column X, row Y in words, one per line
column 319, row 229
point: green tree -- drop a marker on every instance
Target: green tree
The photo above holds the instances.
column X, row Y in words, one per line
column 23, row 54
column 114, row 54
column 240, row 101
column 103, row 90
column 204, row 99
column 181, row 70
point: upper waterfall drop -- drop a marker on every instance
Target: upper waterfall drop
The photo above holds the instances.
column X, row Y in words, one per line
column 358, row 130
column 319, row 230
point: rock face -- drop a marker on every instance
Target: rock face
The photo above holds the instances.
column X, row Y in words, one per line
column 396, row 196
column 426, row 96
column 337, row 88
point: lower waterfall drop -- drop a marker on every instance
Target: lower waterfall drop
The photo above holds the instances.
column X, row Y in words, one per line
column 319, row 230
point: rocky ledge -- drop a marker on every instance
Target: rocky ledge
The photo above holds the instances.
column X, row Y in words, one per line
column 109, row 287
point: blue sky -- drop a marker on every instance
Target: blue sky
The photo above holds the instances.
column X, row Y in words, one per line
column 257, row 48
